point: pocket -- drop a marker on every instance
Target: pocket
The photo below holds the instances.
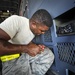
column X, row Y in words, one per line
column 18, row 66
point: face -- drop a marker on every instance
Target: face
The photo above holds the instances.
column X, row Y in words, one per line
column 39, row 29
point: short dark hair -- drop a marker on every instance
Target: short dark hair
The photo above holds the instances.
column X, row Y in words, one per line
column 42, row 16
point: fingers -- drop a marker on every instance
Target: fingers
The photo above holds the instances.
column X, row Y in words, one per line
column 35, row 49
column 42, row 47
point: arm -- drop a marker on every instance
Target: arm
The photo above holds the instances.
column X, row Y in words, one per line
column 8, row 48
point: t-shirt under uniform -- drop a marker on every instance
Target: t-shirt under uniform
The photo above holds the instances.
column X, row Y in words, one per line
column 17, row 27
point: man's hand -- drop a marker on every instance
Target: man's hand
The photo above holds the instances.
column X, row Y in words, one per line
column 34, row 49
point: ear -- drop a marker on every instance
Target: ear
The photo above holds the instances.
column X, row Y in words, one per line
column 34, row 24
